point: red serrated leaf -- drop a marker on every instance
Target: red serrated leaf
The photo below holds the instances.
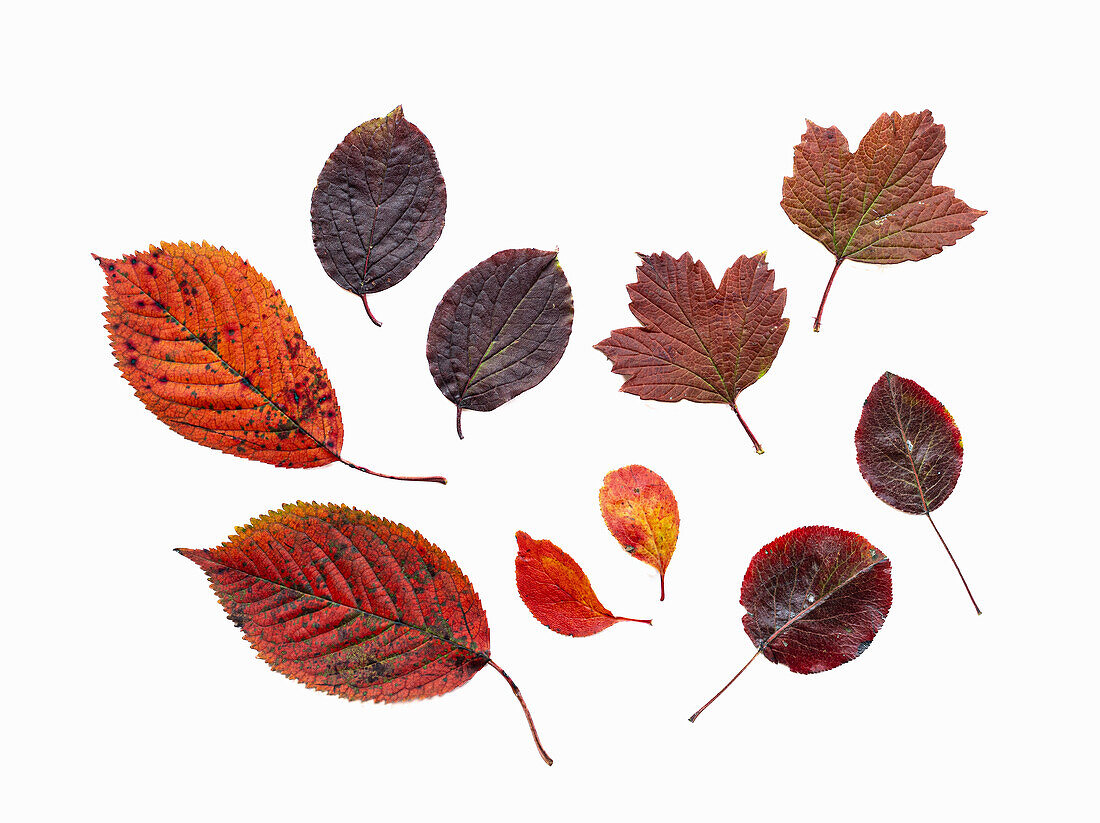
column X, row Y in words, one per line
column 378, row 207
column 910, row 451
column 352, row 604
column 697, row 342
column 214, row 351
column 877, row 205
column 641, row 512
column 557, row 592
column 814, row 598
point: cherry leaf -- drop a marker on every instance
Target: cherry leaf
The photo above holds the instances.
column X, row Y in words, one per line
column 352, row 605
column 378, row 206
column 910, row 451
column 213, row 350
column 814, row 598
column 641, row 512
column 877, row 205
column 500, row 329
column 557, row 592
column 697, row 342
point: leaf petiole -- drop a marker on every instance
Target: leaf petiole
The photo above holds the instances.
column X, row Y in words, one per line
column 825, row 296
column 720, row 691
column 748, row 431
column 963, row 579
column 526, row 711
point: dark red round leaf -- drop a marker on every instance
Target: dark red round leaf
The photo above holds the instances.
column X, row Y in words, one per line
column 815, row 598
column 908, row 447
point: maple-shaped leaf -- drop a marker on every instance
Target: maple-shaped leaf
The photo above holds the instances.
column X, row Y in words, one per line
column 814, row 598
column 352, row 604
column 641, row 512
column 214, row 351
column 378, row 207
column 698, row 342
column 557, row 592
column 877, row 205
column 500, row 329
column 910, row 451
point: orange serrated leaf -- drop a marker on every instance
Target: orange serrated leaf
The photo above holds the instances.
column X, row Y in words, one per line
column 214, row 351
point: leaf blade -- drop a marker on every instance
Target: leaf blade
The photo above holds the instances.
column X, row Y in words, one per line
column 332, row 596
column 908, row 447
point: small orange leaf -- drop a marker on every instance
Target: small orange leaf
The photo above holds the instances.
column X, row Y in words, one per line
column 641, row 512
column 557, row 591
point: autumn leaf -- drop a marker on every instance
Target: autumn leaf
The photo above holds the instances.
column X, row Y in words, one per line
column 213, row 350
column 814, row 598
column 557, row 591
column 378, row 207
column 910, row 451
column 877, row 205
column 696, row 342
column 352, row 605
column 500, row 329
column 641, row 512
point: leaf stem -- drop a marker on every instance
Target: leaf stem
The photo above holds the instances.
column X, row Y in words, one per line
column 662, row 586
column 692, row 718
column 458, row 421
column 370, row 314
column 634, row 620
column 963, row 579
column 365, row 470
column 825, row 296
column 523, row 704
column 752, row 437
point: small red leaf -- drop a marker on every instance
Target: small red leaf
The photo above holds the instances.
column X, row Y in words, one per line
column 814, row 598
column 352, row 604
column 557, row 591
column 641, row 512
column 877, row 205
column 698, row 342
column 910, row 451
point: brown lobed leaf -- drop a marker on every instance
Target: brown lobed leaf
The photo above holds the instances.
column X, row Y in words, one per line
column 877, row 205
column 214, row 351
column 698, row 342
column 378, row 207
column 352, row 604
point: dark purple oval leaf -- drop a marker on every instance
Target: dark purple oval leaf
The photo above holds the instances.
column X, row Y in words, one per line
column 378, row 207
column 500, row 329
column 908, row 447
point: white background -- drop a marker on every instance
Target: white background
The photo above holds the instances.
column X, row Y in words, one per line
column 603, row 132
